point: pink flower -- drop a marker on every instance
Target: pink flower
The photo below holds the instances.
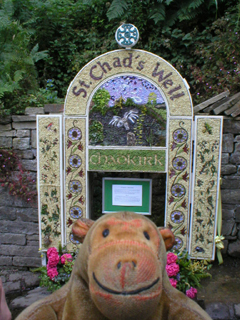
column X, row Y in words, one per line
column 191, row 293
column 66, row 257
column 171, row 258
column 51, row 251
column 173, row 282
column 172, row 269
column 52, row 273
column 53, row 260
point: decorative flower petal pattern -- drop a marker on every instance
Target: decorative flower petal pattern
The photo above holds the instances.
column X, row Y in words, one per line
column 73, row 240
column 75, row 212
column 180, row 135
column 74, row 134
column 179, row 243
column 179, row 163
column 178, row 190
column 75, row 186
column 75, row 161
column 177, row 216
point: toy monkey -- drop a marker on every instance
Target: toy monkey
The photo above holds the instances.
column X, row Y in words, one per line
column 119, row 274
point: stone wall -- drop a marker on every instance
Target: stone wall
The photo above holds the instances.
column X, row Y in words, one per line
column 231, row 186
column 19, row 219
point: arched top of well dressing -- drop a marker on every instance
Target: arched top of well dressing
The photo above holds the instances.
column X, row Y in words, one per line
column 129, row 62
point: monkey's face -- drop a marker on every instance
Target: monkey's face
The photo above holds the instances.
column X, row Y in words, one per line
column 124, row 269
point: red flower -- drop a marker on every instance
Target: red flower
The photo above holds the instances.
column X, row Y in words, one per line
column 171, row 258
column 81, row 173
column 69, row 196
column 185, row 148
column 185, row 176
column 80, row 146
column 52, row 273
column 173, row 146
column 69, row 143
column 184, row 205
column 171, row 200
column 183, row 231
column 81, row 200
column 172, row 173
column 69, row 222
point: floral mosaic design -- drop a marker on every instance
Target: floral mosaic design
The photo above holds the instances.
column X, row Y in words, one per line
column 127, row 111
column 49, row 143
column 75, row 193
column 205, row 187
column 178, row 180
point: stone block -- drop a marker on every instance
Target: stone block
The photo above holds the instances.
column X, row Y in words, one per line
column 11, row 133
column 27, row 261
column 33, row 243
column 228, row 169
column 9, row 238
column 237, row 138
column 235, row 158
column 5, row 198
column 15, row 250
column 34, row 151
column 237, row 310
column 26, row 154
column 237, row 147
column 30, row 165
column 25, row 118
column 32, row 296
column 23, row 133
column 231, row 126
column 33, row 139
column 6, row 261
column 18, row 202
column 227, row 143
column 11, row 286
column 5, row 127
column 234, row 230
column 228, row 214
column 218, row 310
column 24, row 125
column 32, row 237
column 234, row 249
column 225, row 158
column 227, row 227
column 53, row 108
column 7, row 213
column 6, row 142
column 5, row 119
column 230, row 196
column 19, row 227
column 237, row 214
column 232, row 182
column 21, row 143
column 34, row 110
column 231, row 238
column 31, row 279
column 225, row 243
column 27, row 214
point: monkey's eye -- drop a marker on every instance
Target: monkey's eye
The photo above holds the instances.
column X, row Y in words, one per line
column 147, row 236
column 105, row 233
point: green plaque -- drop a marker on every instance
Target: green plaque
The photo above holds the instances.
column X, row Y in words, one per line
column 127, row 160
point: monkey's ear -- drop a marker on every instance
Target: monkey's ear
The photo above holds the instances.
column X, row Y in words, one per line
column 168, row 237
column 80, row 228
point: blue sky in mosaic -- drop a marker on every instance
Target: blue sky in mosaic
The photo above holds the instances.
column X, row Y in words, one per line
column 133, row 87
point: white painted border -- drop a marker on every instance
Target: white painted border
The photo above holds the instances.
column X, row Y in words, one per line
column 60, row 177
column 218, row 181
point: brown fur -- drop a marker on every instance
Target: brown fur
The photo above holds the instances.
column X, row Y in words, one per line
column 119, row 275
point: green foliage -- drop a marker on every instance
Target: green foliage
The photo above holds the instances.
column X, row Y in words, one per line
column 191, row 272
column 17, row 59
column 100, row 100
column 95, row 132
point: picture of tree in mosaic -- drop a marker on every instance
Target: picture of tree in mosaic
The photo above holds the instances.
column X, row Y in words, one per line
column 127, row 111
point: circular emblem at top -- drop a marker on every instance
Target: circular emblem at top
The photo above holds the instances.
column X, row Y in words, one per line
column 127, row 35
